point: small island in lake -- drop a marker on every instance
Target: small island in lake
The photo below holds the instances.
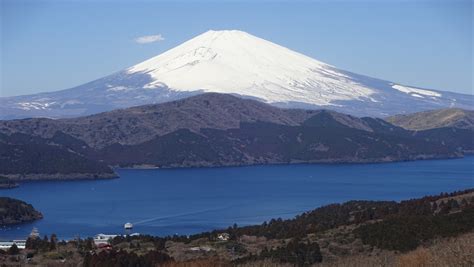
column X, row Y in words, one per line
column 14, row 211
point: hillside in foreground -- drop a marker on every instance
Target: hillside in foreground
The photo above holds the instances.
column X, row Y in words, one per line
column 410, row 232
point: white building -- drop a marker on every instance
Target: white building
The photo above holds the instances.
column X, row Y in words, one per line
column 103, row 239
column 5, row 245
column 223, row 236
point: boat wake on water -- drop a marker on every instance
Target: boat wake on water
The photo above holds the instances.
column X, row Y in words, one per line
column 158, row 218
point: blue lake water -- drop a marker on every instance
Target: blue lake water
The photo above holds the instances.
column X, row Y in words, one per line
column 184, row 201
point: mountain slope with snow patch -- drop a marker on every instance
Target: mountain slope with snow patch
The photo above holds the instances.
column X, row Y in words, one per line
column 235, row 62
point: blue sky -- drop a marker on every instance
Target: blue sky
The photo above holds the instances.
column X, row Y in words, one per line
column 53, row 45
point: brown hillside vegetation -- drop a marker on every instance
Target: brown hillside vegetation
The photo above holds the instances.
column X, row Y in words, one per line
column 458, row 251
column 450, row 117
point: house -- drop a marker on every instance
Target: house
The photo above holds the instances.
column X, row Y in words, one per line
column 223, row 236
column 103, row 239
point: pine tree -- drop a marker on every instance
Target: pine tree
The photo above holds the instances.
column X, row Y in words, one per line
column 13, row 250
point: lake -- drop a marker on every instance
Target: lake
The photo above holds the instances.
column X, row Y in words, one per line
column 185, row 201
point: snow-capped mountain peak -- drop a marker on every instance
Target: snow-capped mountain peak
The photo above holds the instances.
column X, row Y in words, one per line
column 235, row 62
column 239, row 63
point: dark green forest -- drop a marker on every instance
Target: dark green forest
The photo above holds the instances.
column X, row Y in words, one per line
column 14, row 211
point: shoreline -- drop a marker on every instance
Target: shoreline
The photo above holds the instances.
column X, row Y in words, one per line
column 9, row 186
column 19, row 178
column 59, row 176
column 328, row 162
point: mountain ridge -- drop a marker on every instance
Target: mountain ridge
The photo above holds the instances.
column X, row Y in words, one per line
column 211, row 130
column 208, row 110
column 235, row 62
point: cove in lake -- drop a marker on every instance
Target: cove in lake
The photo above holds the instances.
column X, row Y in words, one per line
column 185, row 201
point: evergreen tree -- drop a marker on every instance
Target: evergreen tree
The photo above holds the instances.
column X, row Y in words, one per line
column 13, row 250
column 53, row 241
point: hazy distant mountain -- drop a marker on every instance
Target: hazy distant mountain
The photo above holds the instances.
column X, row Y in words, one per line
column 224, row 130
column 238, row 63
column 456, row 118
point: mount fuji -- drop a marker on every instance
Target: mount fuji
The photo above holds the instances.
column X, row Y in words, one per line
column 238, row 63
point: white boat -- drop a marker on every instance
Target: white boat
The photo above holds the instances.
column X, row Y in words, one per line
column 128, row 226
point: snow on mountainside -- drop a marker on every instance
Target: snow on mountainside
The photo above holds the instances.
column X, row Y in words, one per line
column 238, row 63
